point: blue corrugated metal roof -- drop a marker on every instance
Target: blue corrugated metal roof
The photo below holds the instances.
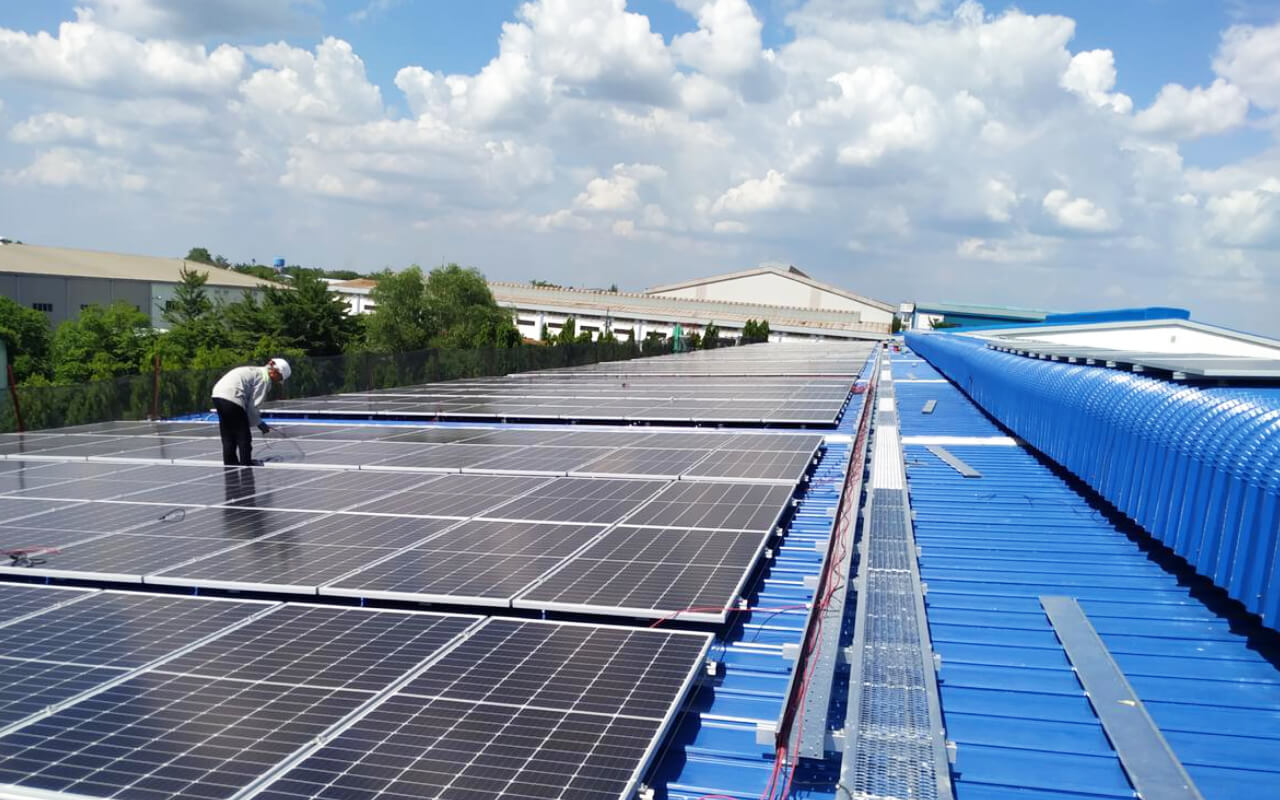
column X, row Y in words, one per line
column 1023, row 726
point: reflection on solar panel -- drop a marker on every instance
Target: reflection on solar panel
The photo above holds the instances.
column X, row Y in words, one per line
column 481, row 562
column 519, row 709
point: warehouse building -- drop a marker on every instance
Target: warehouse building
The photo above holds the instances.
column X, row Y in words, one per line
column 61, row 281
column 795, row 306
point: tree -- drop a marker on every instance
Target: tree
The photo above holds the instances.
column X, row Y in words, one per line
column 895, row 326
column 695, row 341
column 27, row 339
column 308, row 316
column 763, row 329
column 400, row 321
column 545, row 334
column 102, row 343
column 939, row 323
column 568, row 332
column 194, row 321
column 200, row 255
column 464, row 314
column 710, row 337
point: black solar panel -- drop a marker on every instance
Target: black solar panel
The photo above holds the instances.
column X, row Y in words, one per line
column 120, row 556
column 18, row 600
column 324, row 646
column 650, row 462
column 652, row 572
column 121, row 629
column 602, row 670
column 446, row 576
column 30, row 687
column 170, row 736
column 752, row 465
column 686, row 504
column 519, row 709
column 579, row 500
column 456, row 496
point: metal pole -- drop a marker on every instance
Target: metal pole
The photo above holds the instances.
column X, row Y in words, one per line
column 155, row 389
column 13, row 392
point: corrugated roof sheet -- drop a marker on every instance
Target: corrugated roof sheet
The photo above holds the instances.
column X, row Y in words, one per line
column 990, row 548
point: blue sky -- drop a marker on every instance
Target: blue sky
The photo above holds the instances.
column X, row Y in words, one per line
column 908, row 149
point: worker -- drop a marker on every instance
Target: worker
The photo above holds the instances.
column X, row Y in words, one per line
column 236, row 397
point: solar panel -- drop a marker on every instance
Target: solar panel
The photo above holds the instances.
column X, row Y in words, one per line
column 747, row 465
column 648, row 462
column 120, row 629
column 19, row 600
column 118, row 557
column 545, row 460
column 650, row 572
column 165, row 736
column 751, row 507
column 481, row 562
column 549, row 711
column 579, row 500
column 30, row 687
column 457, row 496
column 324, row 646
column 73, row 522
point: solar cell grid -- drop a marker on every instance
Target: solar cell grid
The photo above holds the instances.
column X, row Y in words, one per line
column 651, row 462
column 165, row 736
column 411, row 748
column 74, row 522
column 231, row 525
column 770, row 466
column 579, row 500
column 324, row 646
column 445, row 576
column 542, row 459
column 30, row 687
column 513, row 538
column 14, row 508
column 456, row 496
column 18, row 600
column 602, row 670
column 447, row 456
column 119, row 557
column 117, row 629
column 685, row 504
column 366, row 531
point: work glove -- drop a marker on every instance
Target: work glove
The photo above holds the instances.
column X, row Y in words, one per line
column 264, row 427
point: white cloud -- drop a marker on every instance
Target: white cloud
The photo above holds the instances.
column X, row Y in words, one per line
column 58, row 128
column 65, row 168
column 729, row 226
column 331, row 84
column 1076, row 213
column 1246, row 217
column 755, row 195
column 1182, row 113
column 999, row 200
column 89, row 57
column 1092, row 75
column 1249, row 57
column 620, row 191
column 999, row 252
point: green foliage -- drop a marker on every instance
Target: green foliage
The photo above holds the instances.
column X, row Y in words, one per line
column 940, row 323
column 695, row 341
column 754, row 332
column 28, row 340
column 895, row 326
column 568, row 332
column 400, row 322
column 463, row 312
column 545, row 284
column 308, row 317
column 545, row 335
column 200, row 255
column 102, row 343
column 711, row 337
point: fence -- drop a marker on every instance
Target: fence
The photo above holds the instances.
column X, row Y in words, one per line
column 175, row 392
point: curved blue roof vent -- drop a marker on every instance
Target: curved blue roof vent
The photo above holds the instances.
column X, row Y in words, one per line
column 1198, row 468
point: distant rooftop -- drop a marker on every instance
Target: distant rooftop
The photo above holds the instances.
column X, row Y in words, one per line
column 786, row 272
column 33, row 259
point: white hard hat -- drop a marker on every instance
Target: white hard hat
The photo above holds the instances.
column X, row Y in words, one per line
column 281, row 365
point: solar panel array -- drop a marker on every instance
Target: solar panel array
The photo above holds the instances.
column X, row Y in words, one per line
column 150, row 697
column 462, row 539
column 793, row 385
column 725, row 456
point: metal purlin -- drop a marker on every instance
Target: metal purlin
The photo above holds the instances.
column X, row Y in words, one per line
column 895, row 744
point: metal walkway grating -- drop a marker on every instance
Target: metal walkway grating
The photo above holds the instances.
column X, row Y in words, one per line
column 895, row 747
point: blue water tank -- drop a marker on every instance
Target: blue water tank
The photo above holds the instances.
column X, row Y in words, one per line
column 278, row 263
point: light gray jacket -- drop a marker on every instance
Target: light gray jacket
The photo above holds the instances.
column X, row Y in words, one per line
column 246, row 387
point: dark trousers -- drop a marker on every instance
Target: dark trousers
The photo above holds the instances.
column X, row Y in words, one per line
column 233, row 424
